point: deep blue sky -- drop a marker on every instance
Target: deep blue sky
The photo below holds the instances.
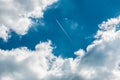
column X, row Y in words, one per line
column 78, row 17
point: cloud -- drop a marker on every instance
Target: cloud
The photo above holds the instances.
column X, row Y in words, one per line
column 99, row 62
column 4, row 32
column 102, row 55
column 15, row 14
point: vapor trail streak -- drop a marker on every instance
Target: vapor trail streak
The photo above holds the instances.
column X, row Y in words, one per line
column 63, row 30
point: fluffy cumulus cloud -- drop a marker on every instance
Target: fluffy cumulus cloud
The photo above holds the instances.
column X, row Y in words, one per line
column 15, row 15
column 99, row 62
column 4, row 32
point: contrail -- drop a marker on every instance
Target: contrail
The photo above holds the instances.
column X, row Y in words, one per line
column 63, row 30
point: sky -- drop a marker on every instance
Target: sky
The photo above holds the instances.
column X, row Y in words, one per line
column 59, row 40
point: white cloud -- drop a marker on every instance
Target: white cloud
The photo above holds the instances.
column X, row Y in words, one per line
column 4, row 32
column 103, row 55
column 108, row 30
column 14, row 14
column 99, row 62
column 80, row 52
